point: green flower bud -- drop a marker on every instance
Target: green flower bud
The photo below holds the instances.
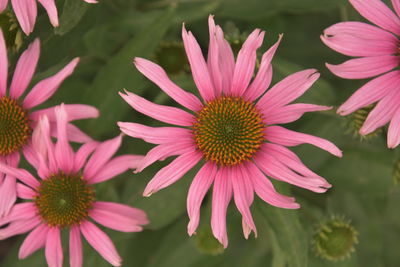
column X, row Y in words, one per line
column 11, row 31
column 356, row 121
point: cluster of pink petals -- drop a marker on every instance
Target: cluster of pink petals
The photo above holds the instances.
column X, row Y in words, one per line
column 26, row 12
column 377, row 49
column 96, row 163
column 42, row 91
column 220, row 76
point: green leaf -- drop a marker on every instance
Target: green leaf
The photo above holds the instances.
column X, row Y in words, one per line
column 72, row 13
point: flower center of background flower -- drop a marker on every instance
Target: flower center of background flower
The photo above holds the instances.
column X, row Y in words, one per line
column 14, row 127
column 229, row 130
column 64, row 200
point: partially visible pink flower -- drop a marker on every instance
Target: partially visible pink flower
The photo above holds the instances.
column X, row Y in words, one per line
column 63, row 196
column 18, row 116
column 26, row 12
column 377, row 49
column 232, row 131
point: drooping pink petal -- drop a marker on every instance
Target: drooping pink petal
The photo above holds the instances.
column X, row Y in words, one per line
column 382, row 112
column 34, row 241
column 3, row 5
column 3, row 63
column 91, row 1
column 361, row 68
column 63, row 151
column 290, row 113
column 371, row 92
column 246, row 62
column 74, row 133
column 164, row 151
column 101, row 156
column 25, row 69
column 75, row 247
column 266, row 191
column 222, row 194
column 226, row 60
column 377, row 12
column 19, row 227
column 115, row 167
column 157, row 75
column 213, row 58
column 51, row 10
column 197, row 191
column 285, row 137
column 359, row 39
column 264, row 75
column 100, row 242
column 43, row 145
column 31, row 156
column 123, row 210
column 172, row 172
column 243, row 194
column 83, row 153
column 8, row 195
column 74, row 111
column 198, row 66
column 19, row 211
column 154, row 135
column 25, row 192
column 396, row 6
column 166, row 114
column 53, row 250
column 26, row 11
column 20, row 174
column 47, row 87
column 393, row 139
column 287, row 90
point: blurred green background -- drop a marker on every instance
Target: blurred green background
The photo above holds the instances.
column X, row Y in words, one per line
column 107, row 36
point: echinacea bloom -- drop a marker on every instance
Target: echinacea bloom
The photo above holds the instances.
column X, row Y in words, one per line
column 377, row 49
column 232, row 130
column 18, row 116
column 64, row 197
column 26, row 12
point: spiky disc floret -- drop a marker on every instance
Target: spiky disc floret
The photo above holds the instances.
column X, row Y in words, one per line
column 229, row 130
column 64, row 200
column 335, row 239
column 14, row 126
column 357, row 119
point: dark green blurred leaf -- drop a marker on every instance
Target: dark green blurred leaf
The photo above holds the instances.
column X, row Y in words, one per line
column 72, row 13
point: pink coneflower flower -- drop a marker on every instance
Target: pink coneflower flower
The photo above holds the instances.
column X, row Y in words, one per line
column 64, row 196
column 26, row 12
column 17, row 117
column 378, row 52
column 232, row 131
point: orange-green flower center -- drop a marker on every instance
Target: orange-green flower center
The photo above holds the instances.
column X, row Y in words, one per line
column 229, row 130
column 64, row 200
column 14, row 126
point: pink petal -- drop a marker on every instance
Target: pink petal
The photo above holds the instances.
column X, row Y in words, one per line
column 63, row 151
column 25, row 192
column 359, row 39
column 47, row 87
column 91, row 1
column 197, row 191
column 264, row 75
column 74, row 134
column 115, row 167
column 377, row 12
column 3, row 63
column 75, row 247
column 166, row 114
column 371, row 92
column 19, row 227
column 101, row 156
column 34, row 241
column 8, row 195
column 243, row 195
column 123, row 210
column 396, row 6
column 164, row 151
column 26, row 11
column 393, row 139
column 226, row 60
column 222, row 194
column 361, row 68
column 290, row 113
column 20, row 174
column 287, row 90
column 25, row 69
column 51, row 10
column 157, row 75
column 155, row 135
column 83, row 153
column 246, row 62
column 285, row 137
column 213, row 58
column 31, row 156
column 3, row 5
column 266, row 191
column 53, row 250
column 100, row 242
column 43, row 145
column 198, row 66
column 74, row 111
column 20, row 211
column 172, row 172
column 382, row 113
